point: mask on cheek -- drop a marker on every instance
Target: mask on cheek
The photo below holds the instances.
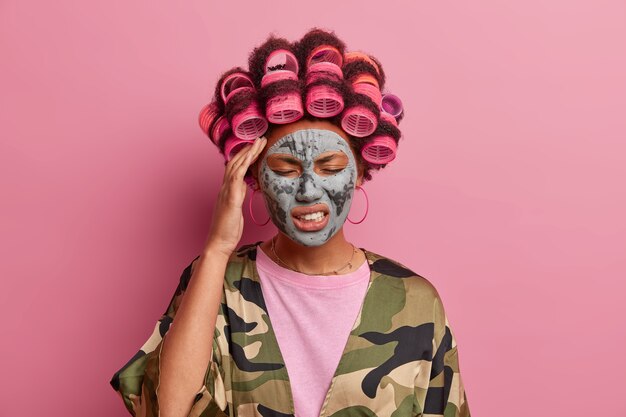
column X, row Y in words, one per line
column 310, row 187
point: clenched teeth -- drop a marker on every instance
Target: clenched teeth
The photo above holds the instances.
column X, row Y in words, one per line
column 312, row 216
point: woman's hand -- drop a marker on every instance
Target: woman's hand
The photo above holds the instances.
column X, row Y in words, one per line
column 227, row 223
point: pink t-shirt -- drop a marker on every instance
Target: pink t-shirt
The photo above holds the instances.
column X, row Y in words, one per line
column 312, row 316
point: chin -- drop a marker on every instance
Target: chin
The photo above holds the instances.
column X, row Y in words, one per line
column 309, row 239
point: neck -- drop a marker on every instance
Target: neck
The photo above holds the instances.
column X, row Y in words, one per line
column 333, row 254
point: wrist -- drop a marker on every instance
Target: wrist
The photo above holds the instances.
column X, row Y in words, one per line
column 214, row 249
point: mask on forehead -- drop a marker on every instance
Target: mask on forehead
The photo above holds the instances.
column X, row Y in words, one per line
column 311, row 184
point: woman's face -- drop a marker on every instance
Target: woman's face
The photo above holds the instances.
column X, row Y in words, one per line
column 307, row 173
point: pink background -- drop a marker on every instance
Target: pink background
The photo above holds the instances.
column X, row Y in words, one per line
column 507, row 193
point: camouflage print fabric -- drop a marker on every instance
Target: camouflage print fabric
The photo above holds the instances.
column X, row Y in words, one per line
column 400, row 359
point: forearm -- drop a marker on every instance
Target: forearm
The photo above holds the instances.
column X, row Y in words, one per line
column 186, row 349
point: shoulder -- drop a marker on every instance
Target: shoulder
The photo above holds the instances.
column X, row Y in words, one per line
column 418, row 294
column 413, row 282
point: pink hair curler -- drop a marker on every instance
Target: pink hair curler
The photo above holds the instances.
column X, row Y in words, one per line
column 325, row 53
column 277, row 76
column 219, row 127
column 365, row 77
column 285, row 108
column 235, row 83
column 388, row 118
column 380, row 150
column 323, row 70
column 359, row 121
column 207, row 116
column 249, row 124
column 233, row 145
column 324, row 100
column 391, row 104
column 281, row 60
column 372, row 91
column 356, row 55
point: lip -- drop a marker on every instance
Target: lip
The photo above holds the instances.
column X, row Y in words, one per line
column 302, row 210
column 310, row 226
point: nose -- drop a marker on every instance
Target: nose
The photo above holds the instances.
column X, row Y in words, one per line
column 308, row 191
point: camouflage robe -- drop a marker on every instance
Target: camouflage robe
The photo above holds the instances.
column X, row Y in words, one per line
column 400, row 359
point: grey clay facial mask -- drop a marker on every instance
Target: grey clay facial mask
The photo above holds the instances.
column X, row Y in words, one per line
column 285, row 193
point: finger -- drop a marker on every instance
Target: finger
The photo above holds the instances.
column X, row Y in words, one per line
column 239, row 171
column 254, row 144
column 245, row 160
column 259, row 149
column 245, row 163
column 240, row 154
column 235, row 159
column 255, row 153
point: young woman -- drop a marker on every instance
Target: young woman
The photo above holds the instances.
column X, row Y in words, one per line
column 352, row 332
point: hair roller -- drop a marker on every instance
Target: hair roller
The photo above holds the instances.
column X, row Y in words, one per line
column 324, row 99
column 365, row 78
column 400, row 117
column 207, row 116
column 249, row 124
column 321, row 57
column 370, row 91
column 283, row 102
column 232, row 145
column 381, row 71
column 212, row 123
column 392, row 105
column 381, row 148
column 220, row 126
column 265, row 54
column 356, row 55
column 364, row 74
column 324, row 54
column 234, row 83
column 360, row 119
column 239, row 96
column 388, row 118
column 315, row 47
column 356, row 62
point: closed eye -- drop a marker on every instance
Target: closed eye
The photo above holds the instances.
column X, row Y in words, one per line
column 332, row 171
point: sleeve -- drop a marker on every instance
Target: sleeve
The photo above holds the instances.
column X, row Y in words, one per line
column 137, row 381
column 445, row 395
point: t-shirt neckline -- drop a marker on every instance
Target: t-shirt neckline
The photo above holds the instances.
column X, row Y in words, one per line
column 269, row 266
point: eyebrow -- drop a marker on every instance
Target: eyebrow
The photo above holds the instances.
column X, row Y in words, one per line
column 293, row 160
column 288, row 159
column 326, row 158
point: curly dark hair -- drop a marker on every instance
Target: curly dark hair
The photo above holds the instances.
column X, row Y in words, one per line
column 358, row 65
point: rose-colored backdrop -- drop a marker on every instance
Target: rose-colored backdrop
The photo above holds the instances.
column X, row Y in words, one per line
column 507, row 193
